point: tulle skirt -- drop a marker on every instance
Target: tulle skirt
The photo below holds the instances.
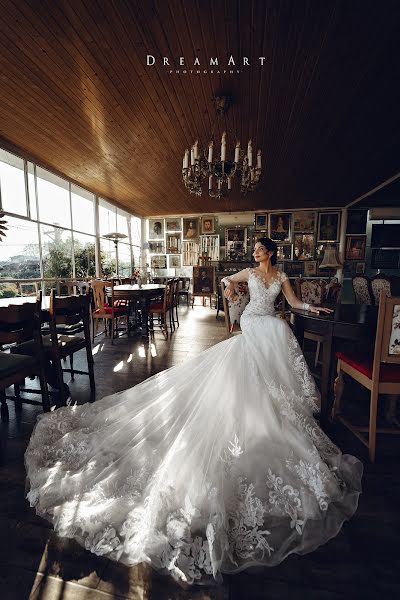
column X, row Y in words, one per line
column 209, row 467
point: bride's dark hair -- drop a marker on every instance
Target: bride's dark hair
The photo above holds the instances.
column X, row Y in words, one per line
column 271, row 246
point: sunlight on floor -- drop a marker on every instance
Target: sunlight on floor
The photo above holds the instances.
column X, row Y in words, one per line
column 153, row 350
column 142, row 352
column 129, row 358
column 118, row 367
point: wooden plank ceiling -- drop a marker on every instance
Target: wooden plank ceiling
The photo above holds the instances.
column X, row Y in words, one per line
column 77, row 95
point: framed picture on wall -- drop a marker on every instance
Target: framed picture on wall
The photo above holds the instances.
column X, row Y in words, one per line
column 328, row 227
column 174, row 262
column 156, row 247
column 173, row 224
column 207, row 225
column 236, row 242
column 356, row 222
column 284, row 252
column 294, row 268
column 310, row 268
column 355, row 247
column 360, row 268
column 158, row 262
column 304, row 221
column 174, row 243
column 261, row 221
column 156, row 229
column 191, row 229
column 280, row 226
column 304, row 245
column 203, row 281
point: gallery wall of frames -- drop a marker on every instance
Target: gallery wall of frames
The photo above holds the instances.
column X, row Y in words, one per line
column 301, row 237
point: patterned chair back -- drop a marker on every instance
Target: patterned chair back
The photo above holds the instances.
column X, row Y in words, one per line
column 379, row 283
column 311, row 291
column 362, row 289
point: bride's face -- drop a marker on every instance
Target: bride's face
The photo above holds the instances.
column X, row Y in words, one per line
column 261, row 254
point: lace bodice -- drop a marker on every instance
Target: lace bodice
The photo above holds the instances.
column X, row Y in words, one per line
column 263, row 294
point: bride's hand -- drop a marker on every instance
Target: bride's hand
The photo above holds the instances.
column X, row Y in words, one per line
column 229, row 292
column 319, row 309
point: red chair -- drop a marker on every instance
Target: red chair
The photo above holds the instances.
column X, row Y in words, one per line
column 378, row 372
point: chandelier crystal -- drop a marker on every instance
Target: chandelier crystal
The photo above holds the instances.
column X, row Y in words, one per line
column 212, row 170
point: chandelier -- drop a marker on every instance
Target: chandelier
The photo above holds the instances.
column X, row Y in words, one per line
column 212, row 170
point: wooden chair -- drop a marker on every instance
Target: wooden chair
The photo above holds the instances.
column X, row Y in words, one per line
column 362, row 289
column 69, row 310
column 21, row 324
column 108, row 311
column 74, row 287
column 175, row 301
column 312, row 291
column 378, row 372
column 162, row 309
column 378, row 283
column 184, row 289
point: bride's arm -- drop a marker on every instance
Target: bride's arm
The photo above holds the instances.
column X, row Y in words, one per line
column 296, row 303
column 231, row 280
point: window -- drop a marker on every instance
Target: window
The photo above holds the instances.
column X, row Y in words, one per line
column 123, row 223
column 107, row 217
column 107, row 255
column 124, row 260
column 12, row 183
column 84, row 255
column 136, row 230
column 82, row 210
column 53, row 195
column 19, row 250
column 32, row 191
column 56, row 251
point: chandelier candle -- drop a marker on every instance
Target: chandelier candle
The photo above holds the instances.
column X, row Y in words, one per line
column 204, row 167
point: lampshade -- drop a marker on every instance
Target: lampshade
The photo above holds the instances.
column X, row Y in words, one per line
column 330, row 259
column 115, row 237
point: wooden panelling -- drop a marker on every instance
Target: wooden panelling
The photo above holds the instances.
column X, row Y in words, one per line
column 77, row 95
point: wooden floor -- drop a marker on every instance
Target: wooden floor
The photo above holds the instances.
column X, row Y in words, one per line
column 363, row 561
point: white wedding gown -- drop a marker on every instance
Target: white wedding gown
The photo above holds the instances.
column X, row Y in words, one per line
column 209, row 467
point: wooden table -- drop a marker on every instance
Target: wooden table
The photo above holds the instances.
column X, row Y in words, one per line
column 18, row 300
column 356, row 322
column 144, row 294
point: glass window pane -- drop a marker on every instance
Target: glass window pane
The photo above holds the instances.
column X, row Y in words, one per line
column 136, row 256
column 56, row 251
column 32, row 191
column 19, row 250
column 82, row 210
column 84, row 254
column 12, row 183
column 124, row 260
column 107, row 257
column 107, row 217
column 123, row 222
column 53, row 195
column 136, row 230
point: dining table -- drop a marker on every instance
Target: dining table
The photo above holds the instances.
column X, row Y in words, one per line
column 353, row 323
column 144, row 293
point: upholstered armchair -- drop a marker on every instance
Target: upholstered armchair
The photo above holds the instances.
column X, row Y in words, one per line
column 362, row 290
column 233, row 309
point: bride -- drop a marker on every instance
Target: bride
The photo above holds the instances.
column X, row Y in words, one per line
column 209, row 467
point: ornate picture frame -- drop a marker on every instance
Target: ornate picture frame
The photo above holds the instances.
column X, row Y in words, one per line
column 328, row 226
column 204, row 281
column 304, row 221
column 355, row 247
column 236, row 243
column 260, row 221
column 280, row 227
column 304, row 246
column 207, row 225
column 158, row 262
column 156, row 229
column 191, row 229
column 174, row 261
column 173, row 224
